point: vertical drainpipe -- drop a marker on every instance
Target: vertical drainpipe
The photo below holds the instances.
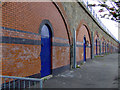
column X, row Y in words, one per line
column 92, row 51
column 74, row 48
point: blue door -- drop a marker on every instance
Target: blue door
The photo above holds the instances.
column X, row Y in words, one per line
column 84, row 48
column 107, row 48
column 45, row 51
column 96, row 46
column 102, row 47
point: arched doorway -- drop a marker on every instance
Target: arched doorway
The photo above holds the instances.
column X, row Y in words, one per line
column 45, row 51
column 107, row 47
column 99, row 47
column 96, row 47
column 83, row 43
column 102, row 47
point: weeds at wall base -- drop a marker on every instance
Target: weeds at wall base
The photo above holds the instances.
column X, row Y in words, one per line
column 99, row 56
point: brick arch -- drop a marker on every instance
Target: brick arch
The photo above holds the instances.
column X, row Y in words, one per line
column 26, row 22
column 62, row 12
column 102, row 38
column 107, row 45
column 103, row 42
column 96, row 35
column 83, row 23
column 82, row 30
column 111, row 47
column 96, row 41
column 49, row 25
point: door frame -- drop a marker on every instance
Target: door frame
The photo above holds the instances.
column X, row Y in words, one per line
column 49, row 25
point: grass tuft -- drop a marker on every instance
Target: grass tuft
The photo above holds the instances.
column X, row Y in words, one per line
column 77, row 66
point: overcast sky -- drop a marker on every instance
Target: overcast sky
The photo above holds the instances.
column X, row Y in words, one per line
column 110, row 24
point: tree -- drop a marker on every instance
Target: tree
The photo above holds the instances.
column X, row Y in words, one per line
column 111, row 7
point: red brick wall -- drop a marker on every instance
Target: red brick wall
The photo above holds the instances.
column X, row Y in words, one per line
column 98, row 51
column 79, row 50
column 60, row 55
column 96, row 37
column 111, row 47
column 103, row 48
column 27, row 17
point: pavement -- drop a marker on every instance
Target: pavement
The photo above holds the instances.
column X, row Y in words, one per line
column 100, row 72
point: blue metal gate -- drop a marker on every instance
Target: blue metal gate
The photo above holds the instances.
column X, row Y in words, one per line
column 45, row 51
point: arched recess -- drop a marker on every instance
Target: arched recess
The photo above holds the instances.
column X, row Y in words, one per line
column 64, row 17
column 61, row 39
column 104, row 46
column 111, row 47
column 103, row 42
column 26, row 22
column 66, row 59
column 107, row 46
column 96, row 43
column 83, row 34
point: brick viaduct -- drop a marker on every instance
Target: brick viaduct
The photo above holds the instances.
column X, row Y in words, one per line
column 72, row 35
